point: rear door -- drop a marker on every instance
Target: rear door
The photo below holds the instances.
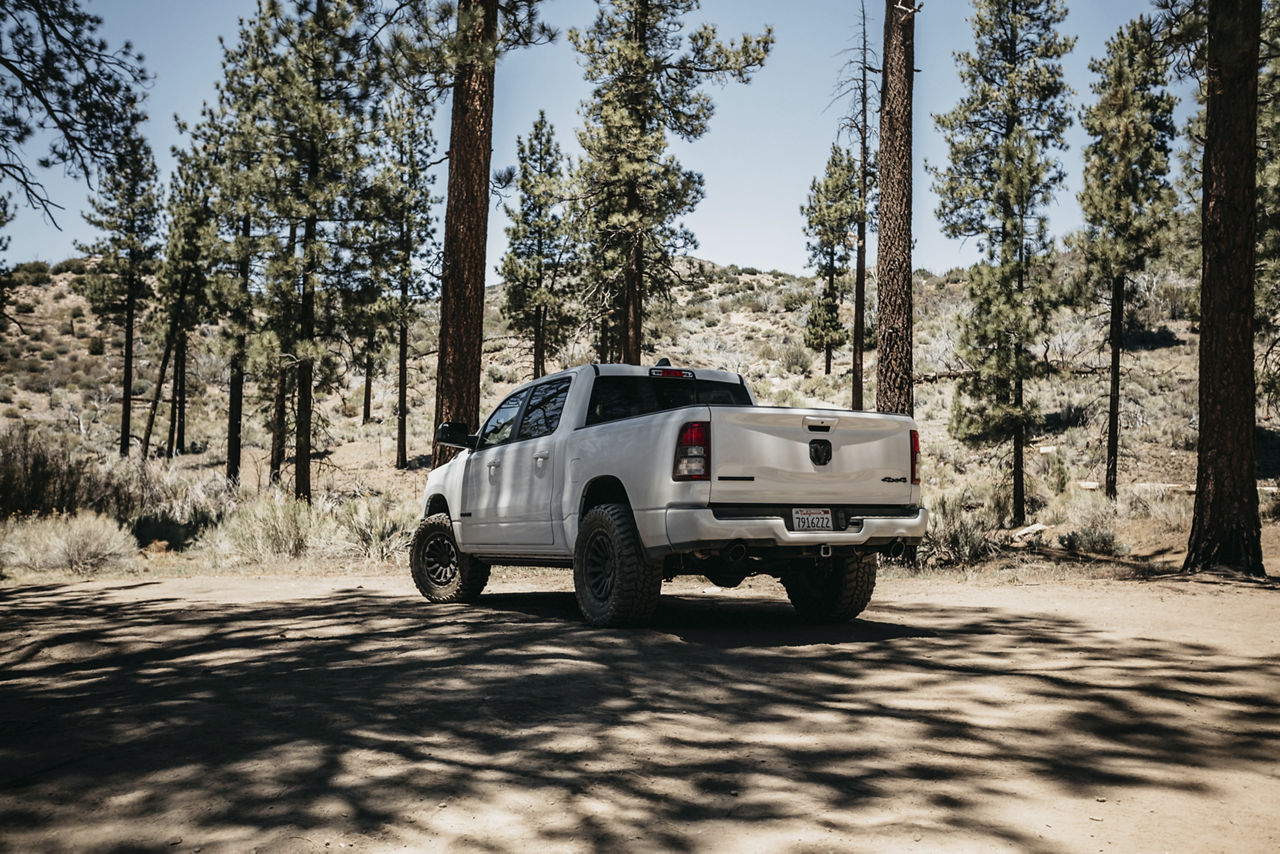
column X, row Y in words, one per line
column 809, row 457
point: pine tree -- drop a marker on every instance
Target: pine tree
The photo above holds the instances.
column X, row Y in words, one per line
column 830, row 213
column 233, row 137
column 318, row 92
column 127, row 212
column 59, row 76
column 1000, row 177
column 1225, row 526
column 540, row 252
column 647, row 84
column 858, row 87
column 182, row 286
column 895, row 377
column 1126, row 198
column 1268, row 184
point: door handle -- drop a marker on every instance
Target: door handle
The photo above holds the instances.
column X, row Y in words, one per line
column 494, row 464
column 542, row 456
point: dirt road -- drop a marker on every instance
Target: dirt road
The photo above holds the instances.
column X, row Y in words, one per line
column 231, row 714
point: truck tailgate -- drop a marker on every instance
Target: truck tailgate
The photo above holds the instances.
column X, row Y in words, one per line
column 809, row 456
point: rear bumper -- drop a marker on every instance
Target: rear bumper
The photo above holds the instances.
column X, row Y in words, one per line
column 691, row 529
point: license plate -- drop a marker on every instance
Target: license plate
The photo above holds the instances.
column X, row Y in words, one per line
column 808, row 519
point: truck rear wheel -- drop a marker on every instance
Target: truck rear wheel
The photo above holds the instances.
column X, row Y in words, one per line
column 615, row 583
column 831, row 590
column 442, row 572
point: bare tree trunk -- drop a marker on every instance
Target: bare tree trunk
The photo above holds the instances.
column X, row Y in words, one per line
column 466, row 222
column 279, row 426
column 539, row 342
column 173, row 414
column 126, row 406
column 1225, row 527
column 894, row 374
column 860, row 251
column 305, row 367
column 1115, row 337
column 235, row 393
column 1019, row 466
column 402, row 367
column 180, row 377
column 368, row 379
column 155, row 398
column 633, row 303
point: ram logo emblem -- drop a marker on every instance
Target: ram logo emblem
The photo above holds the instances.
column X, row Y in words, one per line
column 820, row 452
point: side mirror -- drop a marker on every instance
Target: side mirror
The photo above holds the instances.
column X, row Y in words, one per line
column 457, row 435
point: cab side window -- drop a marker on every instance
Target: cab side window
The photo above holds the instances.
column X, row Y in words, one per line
column 501, row 423
column 546, row 405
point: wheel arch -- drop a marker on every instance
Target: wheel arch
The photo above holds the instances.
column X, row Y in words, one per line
column 605, row 489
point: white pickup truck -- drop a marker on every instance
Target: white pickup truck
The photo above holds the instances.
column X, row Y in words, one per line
column 633, row 475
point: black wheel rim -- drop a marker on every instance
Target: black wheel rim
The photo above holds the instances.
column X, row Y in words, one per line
column 598, row 566
column 440, row 560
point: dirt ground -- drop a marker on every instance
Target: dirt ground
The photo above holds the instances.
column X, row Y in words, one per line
column 317, row 714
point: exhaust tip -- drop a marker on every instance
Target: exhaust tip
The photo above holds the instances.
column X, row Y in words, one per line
column 736, row 553
column 896, row 549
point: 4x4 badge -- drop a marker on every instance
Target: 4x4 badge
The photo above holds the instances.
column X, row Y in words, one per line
column 820, row 452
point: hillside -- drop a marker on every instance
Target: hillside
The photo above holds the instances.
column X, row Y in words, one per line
column 59, row 367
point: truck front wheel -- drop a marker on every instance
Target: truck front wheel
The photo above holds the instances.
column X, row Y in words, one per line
column 615, row 583
column 442, row 572
column 831, row 590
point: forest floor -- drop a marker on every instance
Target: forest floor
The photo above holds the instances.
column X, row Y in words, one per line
column 323, row 713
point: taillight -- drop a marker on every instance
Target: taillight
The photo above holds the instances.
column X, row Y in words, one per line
column 915, row 457
column 693, row 452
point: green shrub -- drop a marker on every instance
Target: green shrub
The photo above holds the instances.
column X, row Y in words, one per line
column 77, row 311
column 83, row 543
column 957, row 533
column 24, row 307
column 97, row 346
column 373, row 529
column 272, row 525
column 75, row 266
column 41, row 476
column 795, row 358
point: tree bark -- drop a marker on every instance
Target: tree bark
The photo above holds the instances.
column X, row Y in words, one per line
column 126, row 405
column 305, row 368
column 155, row 398
column 235, row 393
column 860, row 251
column 633, row 302
column 180, row 377
column 539, row 342
column 1225, row 527
column 1115, row 337
column 402, row 361
column 368, row 379
column 894, row 391
column 279, row 416
column 466, row 222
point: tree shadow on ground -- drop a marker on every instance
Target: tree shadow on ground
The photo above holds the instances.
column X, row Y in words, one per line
column 362, row 713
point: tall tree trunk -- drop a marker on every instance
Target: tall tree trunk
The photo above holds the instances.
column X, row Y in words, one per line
column 279, row 425
column 155, row 398
column 305, row 367
column 368, row 379
column 894, row 389
column 633, row 303
column 539, row 341
column 126, row 410
column 239, row 344
column 860, row 251
column 180, row 376
column 1115, row 336
column 1019, row 466
column 1225, row 527
column 402, row 366
column 466, row 222
column 173, row 413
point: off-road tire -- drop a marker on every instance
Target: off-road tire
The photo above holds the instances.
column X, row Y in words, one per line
column 440, row 570
column 615, row 584
column 831, row 590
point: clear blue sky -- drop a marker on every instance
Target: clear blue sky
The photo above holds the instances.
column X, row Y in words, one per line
column 766, row 142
